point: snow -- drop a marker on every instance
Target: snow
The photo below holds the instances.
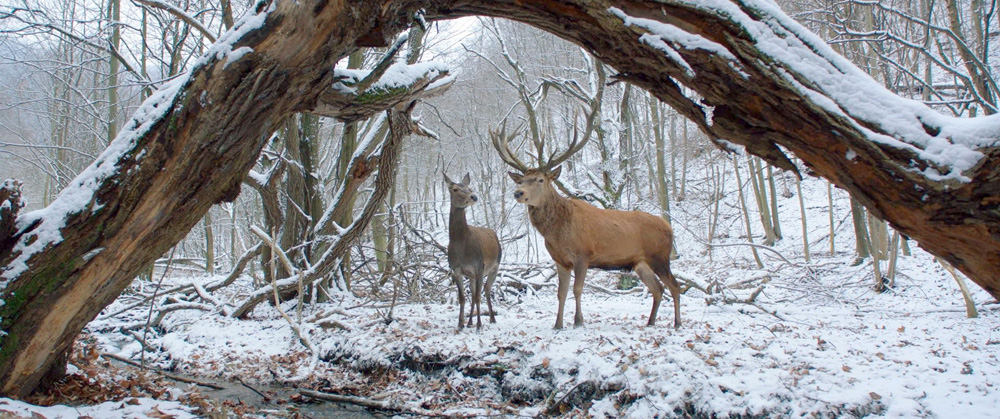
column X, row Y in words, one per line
column 133, row 408
column 666, row 37
column 900, row 356
column 833, row 82
column 236, row 54
column 397, row 75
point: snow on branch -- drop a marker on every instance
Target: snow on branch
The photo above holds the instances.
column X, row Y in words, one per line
column 665, row 37
column 355, row 96
column 950, row 145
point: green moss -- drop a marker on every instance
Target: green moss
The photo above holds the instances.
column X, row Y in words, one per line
column 380, row 95
column 8, row 341
column 45, row 281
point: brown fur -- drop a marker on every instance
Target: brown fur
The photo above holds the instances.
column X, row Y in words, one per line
column 473, row 252
column 579, row 236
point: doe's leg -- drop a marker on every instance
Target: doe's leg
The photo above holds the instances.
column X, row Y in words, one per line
column 477, row 299
column 457, row 279
column 489, row 294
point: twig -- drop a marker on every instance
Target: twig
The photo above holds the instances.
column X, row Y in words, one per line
column 266, row 399
column 554, row 408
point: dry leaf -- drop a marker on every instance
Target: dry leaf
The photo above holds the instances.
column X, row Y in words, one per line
column 875, row 396
column 846, row 368
column 158, row 414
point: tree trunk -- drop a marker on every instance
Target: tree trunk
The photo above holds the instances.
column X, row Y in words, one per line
column 977, row 80
column 746, row 212
column 209, row 244
column 751, row 68
column 862, row 245
column 114, row 16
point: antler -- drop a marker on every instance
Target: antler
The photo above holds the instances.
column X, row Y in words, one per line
column 501, row 142
column 574, row 147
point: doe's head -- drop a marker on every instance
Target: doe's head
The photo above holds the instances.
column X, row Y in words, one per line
column 461, row 194
column 534, row 185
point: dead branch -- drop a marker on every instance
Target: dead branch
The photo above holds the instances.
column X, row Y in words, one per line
column 162, row 312
column 182, row 15
column 241, row 264
column 388, row 406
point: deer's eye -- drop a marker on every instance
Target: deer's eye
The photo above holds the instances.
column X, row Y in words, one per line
column 541, row 180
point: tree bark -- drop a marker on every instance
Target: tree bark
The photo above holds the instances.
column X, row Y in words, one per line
column 173, row 162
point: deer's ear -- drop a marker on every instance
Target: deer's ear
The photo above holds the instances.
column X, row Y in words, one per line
column 446, row 179
column 555, row 173
column 516, row 176
column 466, row 179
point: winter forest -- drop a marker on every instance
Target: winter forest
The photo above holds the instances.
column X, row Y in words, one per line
column 360, row 209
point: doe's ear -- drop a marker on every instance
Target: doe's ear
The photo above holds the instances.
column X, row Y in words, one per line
column 555, row 173
column 466, row 179
column 446, row 178
column 516, row 176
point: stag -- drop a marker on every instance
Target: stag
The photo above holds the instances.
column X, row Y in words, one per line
column 580, row 236
column 473, row 252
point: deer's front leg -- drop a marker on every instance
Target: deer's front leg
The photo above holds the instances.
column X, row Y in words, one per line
column 580, row 274
column 477, row 298
column 563, row 291
column 457, row 278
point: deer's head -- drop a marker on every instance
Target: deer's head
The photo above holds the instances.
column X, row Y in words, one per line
column 461, row 194
column 534, row 185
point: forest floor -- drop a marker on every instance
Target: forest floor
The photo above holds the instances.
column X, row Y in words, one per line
column 790, row 339
column 816, row 341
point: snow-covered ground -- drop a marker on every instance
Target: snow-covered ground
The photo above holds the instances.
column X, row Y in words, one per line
column 817, row 340
column 826, row 345
column 138, row 407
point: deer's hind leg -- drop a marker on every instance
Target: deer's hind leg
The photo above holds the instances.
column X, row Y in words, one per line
column 477, row 299
column 670, row 281
column 648, row 278
column 489, row 294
